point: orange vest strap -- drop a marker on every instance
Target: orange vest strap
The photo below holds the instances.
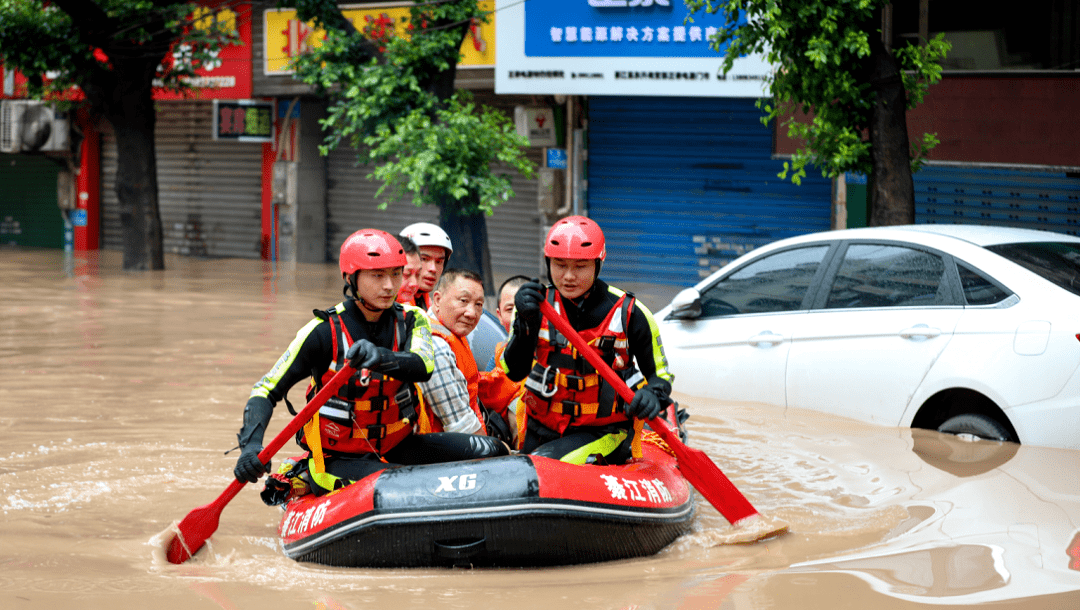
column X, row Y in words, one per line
column 466, row 363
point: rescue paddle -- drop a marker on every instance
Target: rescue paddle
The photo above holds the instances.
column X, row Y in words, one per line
column 694, row 464
column 201, row 523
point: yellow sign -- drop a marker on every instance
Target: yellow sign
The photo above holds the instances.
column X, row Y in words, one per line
column 286, row 37
column 204, row 18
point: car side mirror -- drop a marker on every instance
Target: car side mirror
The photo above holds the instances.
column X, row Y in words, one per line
column 686, row 305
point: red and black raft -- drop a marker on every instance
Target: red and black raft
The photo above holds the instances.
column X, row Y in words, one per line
column 509, row 511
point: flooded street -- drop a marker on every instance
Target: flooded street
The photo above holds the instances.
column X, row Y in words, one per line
column 120, row 393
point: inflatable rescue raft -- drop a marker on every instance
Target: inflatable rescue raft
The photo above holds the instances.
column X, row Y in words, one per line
column 510, row 511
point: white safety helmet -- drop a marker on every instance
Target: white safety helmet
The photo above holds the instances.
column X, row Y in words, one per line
column 427, row 234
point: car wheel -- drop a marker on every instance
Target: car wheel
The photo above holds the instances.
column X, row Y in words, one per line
column 978, row 427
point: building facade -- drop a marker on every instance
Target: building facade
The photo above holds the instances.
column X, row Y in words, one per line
column 629, row 119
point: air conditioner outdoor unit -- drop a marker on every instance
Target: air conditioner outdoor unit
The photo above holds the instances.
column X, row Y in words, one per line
column 32, row 126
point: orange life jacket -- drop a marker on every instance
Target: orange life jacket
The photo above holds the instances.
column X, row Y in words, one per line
column 496, row 391
column 466, row 363
column 563, row 389
column 367, row 415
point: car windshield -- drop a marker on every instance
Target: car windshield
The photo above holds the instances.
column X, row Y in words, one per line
column 1055, row 261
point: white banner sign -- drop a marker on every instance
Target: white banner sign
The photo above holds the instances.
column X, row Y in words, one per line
column 615, row 47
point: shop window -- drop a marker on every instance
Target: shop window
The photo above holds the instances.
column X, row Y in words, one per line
column 995, row 35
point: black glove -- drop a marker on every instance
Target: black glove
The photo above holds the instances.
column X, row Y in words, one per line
column 363, row 355
column 646, row 404
column 527, row 301
column 248, row 467
column 257, row 415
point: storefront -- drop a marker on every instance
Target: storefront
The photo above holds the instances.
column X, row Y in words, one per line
column 513, row 229
column 210, row 182
column 674, row 162
column 209, row 191
column 1009, row 152
column 683, row 185
column 348, row 198
column 210, row 188
column 1031, row 198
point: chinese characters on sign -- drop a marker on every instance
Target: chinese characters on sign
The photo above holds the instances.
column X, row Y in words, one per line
column 298, row 522
column 618, row 47
column 243, row 120
column 286, row 38
column 627, row 3
column 535, row 124
column 620, row 34
column 640, row 490
column 224, row 74
column 613, row 28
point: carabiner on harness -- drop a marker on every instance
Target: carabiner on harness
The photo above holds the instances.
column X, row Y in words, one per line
column 544, row 389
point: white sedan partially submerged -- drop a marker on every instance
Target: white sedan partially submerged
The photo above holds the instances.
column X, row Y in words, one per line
column 964, row 329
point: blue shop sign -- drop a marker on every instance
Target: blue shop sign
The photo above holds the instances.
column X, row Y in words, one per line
column 618, row 28
column 556, row 158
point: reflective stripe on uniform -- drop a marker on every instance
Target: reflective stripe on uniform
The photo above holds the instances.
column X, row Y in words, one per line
column 269, row 381
column 420, row 342
column 659, row 359
column 605, row 446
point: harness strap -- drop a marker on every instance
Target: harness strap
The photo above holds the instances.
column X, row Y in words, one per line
column 576, row 383
column 400, row 330
column 337, row 329
column 567, row 368
column 343, row 412
column 312, row 433
column 575, row 409
column 380, row 431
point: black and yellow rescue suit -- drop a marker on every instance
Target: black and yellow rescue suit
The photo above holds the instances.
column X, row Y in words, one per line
column 368, row 425
column 570, row 412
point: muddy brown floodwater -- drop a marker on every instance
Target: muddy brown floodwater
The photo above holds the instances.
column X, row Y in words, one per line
column 120, row 392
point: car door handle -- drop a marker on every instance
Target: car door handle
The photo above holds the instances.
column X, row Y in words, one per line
column 768, row 337
column 920, row 332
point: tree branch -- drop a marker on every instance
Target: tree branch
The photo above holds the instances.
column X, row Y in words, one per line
column 93, row 22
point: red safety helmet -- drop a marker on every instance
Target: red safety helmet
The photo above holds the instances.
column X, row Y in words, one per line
column 575, row 237
column 370, row 249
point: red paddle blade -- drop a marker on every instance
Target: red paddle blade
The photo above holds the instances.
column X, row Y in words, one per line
column 194, row 530
column 706, row 476
column 202, row 522
column 713, row 484
column 197, row 527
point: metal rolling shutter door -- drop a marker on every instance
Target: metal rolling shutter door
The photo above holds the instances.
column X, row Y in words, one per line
column 513, row 230
column 352, row 204
column 210, row 192
column 1030, row 199
column 681, row 186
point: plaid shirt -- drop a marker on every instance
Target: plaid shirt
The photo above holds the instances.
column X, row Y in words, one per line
column 447, row 392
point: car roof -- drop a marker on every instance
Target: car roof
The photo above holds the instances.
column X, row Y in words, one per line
column 979, row 235
column 929, row 234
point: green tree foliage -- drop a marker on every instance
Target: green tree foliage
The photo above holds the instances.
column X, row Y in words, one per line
column 832, row 63
column 115, row 51
column 393, row 97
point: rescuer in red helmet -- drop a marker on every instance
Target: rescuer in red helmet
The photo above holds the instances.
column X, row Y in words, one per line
column 368, row 425
column 570, row 412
